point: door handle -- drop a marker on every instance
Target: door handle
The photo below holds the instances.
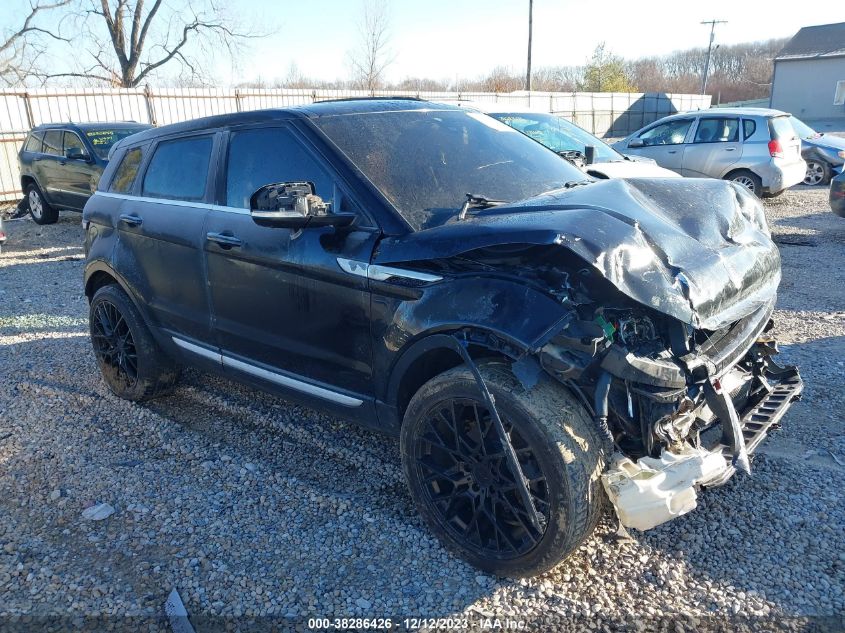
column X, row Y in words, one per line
column 673, row 151
column 730, row 149
column 225, row 241
column 36, row 159
column 131, row 219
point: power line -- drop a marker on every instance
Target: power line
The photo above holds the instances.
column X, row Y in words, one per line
column 712, row 24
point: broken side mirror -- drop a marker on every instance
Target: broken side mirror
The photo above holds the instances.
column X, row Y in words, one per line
column 294, row 205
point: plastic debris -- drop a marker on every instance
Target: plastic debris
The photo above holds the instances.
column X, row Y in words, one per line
column 175, row 611
column 98, row 512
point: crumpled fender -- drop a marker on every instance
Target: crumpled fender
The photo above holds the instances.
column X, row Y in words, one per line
column 695, row 249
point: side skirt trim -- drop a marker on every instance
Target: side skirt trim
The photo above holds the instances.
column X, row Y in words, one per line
column 280, row 379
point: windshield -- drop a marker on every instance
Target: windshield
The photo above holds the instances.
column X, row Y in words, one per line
column 802, row 129
column 425, row 162
column 558, row 134
column 102, row 140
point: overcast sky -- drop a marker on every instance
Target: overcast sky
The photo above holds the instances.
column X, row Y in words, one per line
column 445, row 39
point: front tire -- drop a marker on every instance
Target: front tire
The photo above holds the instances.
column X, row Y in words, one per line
column 818, row 173
column 132, row 364
column 39, row 208
column 463, row 487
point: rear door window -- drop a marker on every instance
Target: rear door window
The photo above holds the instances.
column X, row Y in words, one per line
column 179, row 169
column 53, row 142
column 124, row 176
column 717, row 130
column 33, row 142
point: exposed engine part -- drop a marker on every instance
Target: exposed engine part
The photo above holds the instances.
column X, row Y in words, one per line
column 651, row 490
column 635, row 330
column 601, row 407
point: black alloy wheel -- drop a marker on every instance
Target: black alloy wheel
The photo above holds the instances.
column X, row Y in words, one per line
column 507, row 518
column 470, row 485
column 114, row 345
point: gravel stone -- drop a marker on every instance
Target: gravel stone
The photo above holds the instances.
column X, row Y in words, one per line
column 321, row 515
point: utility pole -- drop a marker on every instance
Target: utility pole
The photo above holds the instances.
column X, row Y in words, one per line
column 712, row 24
column 530, row 28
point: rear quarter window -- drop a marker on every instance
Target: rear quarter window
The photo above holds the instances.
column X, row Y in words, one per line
column 127, row 171
column 748, row 128
column 33, row 142
column 179, row 169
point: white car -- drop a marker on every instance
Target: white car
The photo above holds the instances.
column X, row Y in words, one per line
column 571, row 142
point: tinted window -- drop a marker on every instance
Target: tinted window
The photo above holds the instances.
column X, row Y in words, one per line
column 717, row 131
column 72, row 141
column 53, row 142
column 179, row 169
column 426, row 161
column 125, row 175
column 261, row 157
column 103, row 140
column 671, row 133
column 781, row 128
column 33, row 142
column 748, row 128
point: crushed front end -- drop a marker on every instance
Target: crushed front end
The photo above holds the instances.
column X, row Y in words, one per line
column 683, row 407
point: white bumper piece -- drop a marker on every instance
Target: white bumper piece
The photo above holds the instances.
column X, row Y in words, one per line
column 653, row 491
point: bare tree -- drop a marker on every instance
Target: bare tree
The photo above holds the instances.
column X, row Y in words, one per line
column 23, row 46
column 373, row 55
column 140, row 41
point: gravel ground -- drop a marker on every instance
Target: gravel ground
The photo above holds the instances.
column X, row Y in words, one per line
column 251, row 506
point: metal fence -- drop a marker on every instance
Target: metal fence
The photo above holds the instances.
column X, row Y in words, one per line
column 608, row 114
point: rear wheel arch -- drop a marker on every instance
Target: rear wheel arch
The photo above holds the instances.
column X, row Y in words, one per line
column 100, row 274
column 754, row 177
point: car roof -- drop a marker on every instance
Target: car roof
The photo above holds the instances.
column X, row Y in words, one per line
column 96, row 125
column 311, row 111
column 486, row 107
column 765, row 112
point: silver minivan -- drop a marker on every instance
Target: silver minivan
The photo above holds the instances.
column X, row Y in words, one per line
column 755, row 147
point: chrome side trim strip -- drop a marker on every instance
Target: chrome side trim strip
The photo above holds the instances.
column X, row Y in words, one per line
column 279, row 379
column 200, row 351
column 176, row 203
column 381, row 273
column 292, row 383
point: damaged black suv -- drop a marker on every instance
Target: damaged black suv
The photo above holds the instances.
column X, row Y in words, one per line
column 541, row 343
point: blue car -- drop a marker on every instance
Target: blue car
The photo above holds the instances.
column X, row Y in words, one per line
column 824, row 154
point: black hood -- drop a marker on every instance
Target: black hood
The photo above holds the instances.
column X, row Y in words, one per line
column 695, row 249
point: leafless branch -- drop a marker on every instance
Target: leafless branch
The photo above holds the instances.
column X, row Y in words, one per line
column 373, row 56
column 19, row 50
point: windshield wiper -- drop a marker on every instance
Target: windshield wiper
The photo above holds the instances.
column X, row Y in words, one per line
column 477, row 202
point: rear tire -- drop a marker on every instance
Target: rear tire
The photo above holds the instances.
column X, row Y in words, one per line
column 747, row 179
column 39, row 209
column 464, row 489
column 818, row 173
column 133, row 365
